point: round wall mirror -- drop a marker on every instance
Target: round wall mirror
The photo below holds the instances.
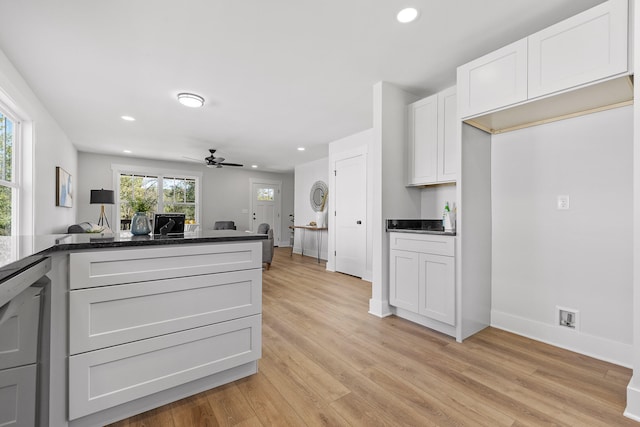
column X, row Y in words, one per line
column 318, row 196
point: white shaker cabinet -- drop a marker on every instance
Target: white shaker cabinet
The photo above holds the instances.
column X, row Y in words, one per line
column 495, row 80
column 437, row 296
column 584, row 48
column 423, row 140
column 431, row 144
column 422, row 277
column 145, row 321
column 404, row 280
column 589, row 47
column 447, row 135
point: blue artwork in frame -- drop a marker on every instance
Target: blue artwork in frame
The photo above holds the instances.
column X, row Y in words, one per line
column 64, row 187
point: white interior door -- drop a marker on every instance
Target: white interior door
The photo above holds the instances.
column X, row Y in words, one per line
column 350, row 215
column 265, row 206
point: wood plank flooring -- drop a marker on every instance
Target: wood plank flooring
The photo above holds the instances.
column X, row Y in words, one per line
column 327, row 362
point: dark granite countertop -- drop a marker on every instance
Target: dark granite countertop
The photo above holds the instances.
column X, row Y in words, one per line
column 423, row 226
column 19, row 252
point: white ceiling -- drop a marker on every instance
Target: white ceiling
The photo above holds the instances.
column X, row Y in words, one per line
column 276, row 74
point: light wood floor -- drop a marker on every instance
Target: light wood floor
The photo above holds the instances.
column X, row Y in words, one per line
column 326, row 362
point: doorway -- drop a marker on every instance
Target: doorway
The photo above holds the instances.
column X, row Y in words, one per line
column 266, row 205
column 350, row 188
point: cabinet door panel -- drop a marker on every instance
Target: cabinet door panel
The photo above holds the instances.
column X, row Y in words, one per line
column 587, row 47
column 108, row 377
column 112, row 315
column 19, row 331
column 423, row 137
column 18, row 396
column 437, row 288
column 403, row 286
column 447, row 135
column 493, row 81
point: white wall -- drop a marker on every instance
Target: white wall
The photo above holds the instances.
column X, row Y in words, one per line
column 391, row 199
column 306, row 175
column 578, row 258
column 336, row 148
column 47, row 147
column 225, row 191
column 433, row 199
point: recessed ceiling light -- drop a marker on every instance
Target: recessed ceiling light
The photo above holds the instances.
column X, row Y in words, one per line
column 407, row 15
column 300, row 148
column 254, row 166
column 128, row 118
column 126, row 151
column 190, row 100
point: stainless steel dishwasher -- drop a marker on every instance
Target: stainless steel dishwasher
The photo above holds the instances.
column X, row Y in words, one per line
column 21, row 352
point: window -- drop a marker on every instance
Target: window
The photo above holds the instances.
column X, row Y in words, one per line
column 179, row 195
column 265, row 194
column 158, row 191
column 9, row 184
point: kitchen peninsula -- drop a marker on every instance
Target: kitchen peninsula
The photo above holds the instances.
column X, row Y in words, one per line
column 134, row 322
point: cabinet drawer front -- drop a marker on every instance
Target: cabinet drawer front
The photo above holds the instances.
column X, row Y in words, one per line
column 109, row 377
column 99, row 268
column 18, row 396
column 19, row 330
column 425, row 243
column 112, row 315
column 493, row 81
column 584, row 48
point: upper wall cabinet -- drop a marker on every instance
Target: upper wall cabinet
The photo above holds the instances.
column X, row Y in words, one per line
column 585, row 48
column 447, row 135
column 494, row 80
column 432, row 139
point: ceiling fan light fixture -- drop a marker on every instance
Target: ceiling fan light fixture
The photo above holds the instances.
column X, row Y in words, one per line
column 190, row 100
column 407, row 15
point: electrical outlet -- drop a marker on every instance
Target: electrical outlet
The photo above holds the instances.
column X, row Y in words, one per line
column 567, row 317
column 563, row 202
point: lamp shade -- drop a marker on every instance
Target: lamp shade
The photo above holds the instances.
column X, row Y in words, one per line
column 102, row 196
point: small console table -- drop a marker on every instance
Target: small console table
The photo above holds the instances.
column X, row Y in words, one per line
column 312, row 228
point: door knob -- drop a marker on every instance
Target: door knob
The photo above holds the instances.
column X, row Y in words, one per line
column 358, row 222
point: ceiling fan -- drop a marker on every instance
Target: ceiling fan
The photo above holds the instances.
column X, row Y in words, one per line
column 212, row 161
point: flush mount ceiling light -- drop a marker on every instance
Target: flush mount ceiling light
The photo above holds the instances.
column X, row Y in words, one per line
column 407, row 15
column 128, row 118
column 300, row 148
column 190, row 100
column 254, row 166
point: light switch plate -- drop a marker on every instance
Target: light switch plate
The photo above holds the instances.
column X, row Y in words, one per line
column 563, row 202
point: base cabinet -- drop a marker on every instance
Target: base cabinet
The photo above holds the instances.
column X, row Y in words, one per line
column 148, row 321
column 422, row 275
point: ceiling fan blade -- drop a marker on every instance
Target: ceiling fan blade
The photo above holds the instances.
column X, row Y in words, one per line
column 192, row 159
column 231, row 164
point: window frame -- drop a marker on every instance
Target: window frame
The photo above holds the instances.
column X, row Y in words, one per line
column 16, row 169
column 161, row 174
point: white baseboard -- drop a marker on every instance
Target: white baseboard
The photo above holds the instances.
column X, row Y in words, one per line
column 577, row 341
column 379, row 308
column 633, row 401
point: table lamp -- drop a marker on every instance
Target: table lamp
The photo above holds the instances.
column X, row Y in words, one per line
column 102, row 197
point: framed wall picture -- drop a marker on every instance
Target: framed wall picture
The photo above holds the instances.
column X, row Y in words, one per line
column 64, row 188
